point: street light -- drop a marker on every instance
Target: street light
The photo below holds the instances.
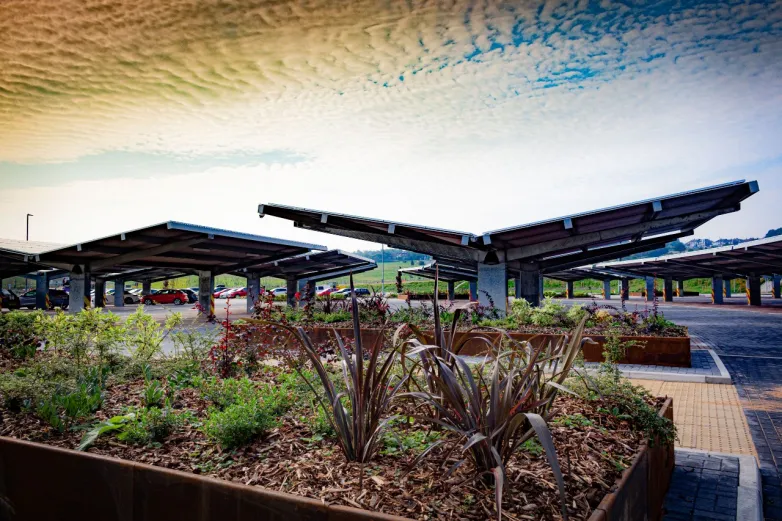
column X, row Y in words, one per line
column 28, row 226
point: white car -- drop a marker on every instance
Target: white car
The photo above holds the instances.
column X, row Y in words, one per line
column 280, row 291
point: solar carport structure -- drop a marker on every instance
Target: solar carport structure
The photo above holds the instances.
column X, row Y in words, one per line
column 449, row 274
column 748, row 260
column 299, row 270
column 17, row 258
column 163, row 251
column 530, row 251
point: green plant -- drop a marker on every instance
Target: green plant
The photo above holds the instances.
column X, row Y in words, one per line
column 359, row 413
column 20, row 332
column 191, row 341
column 238, row 424
column 144, row 336
column 397, row 440
column 22, row 391
column 115, row 423
column 138, row 427
column 319, row 422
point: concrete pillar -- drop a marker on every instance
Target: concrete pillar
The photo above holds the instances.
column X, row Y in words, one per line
column 668, row 289
column 680, row 288
column 473, row 291
column 540, row 287
column 530, row 286
column 451, row 290
column 569, row 291
column 716, row 290
column 517, row 287
column 727, row 288
column 78, row 280
column 119, row 293
column 41, row 290
column 292, row 289
column 206, row 286
column 650, row 289
column 100, row 293
column 625, row 289
column 493, row 285
column 146, row 287
column 753, row 290
column 607, row 289
column 253, row 290
column 775, row 288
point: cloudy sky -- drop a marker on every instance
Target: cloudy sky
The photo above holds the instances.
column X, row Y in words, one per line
column 116, row 114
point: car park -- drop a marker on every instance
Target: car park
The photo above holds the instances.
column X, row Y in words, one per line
column 166, row 296
column 57, row 298
column 9, row 299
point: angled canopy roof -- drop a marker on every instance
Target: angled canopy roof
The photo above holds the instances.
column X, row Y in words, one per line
column 174, row 246
column 18, row 257
column 445, row 272
column 752, row 258
column 554, row 244
column 312, row 266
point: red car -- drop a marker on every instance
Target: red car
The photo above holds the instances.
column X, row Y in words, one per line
column 165, row 296
column 218, row 292
column 233, row 293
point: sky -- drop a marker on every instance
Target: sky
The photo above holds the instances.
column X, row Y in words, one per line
column 473, row 116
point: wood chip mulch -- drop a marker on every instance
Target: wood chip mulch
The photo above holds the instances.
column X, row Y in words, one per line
column 290, row 459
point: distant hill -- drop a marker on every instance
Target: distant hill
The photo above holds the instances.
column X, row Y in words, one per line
column 698, row 244
column 395, row 255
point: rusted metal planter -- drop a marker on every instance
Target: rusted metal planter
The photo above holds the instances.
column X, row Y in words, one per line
column 41, row 483
column 666, row 351
column 640, row 492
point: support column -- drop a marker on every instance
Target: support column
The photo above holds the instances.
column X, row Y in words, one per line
column 493, row 286
column 650, row 289
column 680, row 288
column 668, row 289
column 530, row 285
column 716, row 290
column 253, row 290
column 569, row 291
column 146, row 286
column 292, row 288
column 517, row 287
column 473, row 291
column 119, row 293
column 775, row 288
column 78, row 280
column 607, row 289
column 100, row 293
column 753, row 290
column 206, row 286
column 540, row 287
column 625, row 289
column 451, row 290
column 41, row 291
column 726, row 285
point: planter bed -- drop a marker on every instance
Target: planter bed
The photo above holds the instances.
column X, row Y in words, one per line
column 292, row 474
column 666, row 351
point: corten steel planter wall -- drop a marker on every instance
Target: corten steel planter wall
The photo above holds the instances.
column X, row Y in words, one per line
column 640, row 492
column 667, row 351
column 43, row 483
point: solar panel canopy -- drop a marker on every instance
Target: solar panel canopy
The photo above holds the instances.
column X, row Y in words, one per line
column 312, row 266
column 553, row 244
column 171, row 249
column 747, row 259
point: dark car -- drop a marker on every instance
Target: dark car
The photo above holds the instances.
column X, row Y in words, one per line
column 8, row 299
column 362, row 292
column 57, row 299
column 192, row 296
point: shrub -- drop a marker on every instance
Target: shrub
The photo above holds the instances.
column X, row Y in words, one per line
column 137, row 427
column 20, row 333
column 238, row 424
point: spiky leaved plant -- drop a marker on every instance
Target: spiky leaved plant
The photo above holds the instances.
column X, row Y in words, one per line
column 359, row 414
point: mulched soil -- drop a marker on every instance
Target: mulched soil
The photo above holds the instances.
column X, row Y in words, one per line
column 290, row 460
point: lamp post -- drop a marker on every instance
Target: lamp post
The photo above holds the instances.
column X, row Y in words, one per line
column 27, row 238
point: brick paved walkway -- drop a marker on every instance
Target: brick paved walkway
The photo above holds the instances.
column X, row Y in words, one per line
column 702, row 364
column 704, row 487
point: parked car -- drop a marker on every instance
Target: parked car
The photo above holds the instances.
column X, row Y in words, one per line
column 131, row 298
column 166, row 296
column 343, row 291
column 362, row 292
column 57, row 297
column 325, row 291
column 280, row 291
column 192, row 296
column 218, row 292
column 233, row 293
column 9, row 299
